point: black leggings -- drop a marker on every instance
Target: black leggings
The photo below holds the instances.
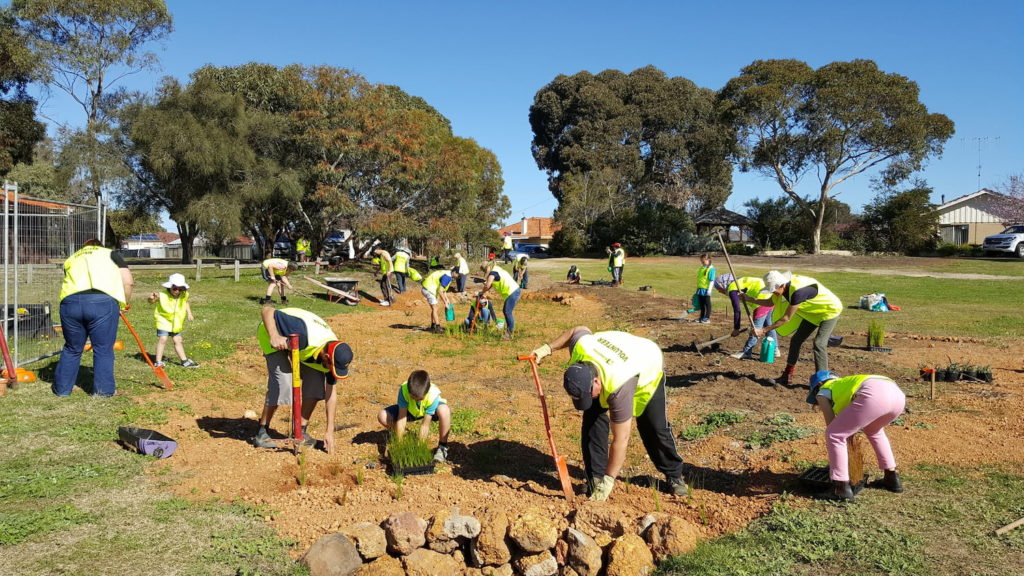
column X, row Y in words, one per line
column 705, row 306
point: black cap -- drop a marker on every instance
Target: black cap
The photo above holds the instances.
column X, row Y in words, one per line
column 578, row 382
column 341, row 354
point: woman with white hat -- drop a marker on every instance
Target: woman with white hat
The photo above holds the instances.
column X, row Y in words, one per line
column 171, row 309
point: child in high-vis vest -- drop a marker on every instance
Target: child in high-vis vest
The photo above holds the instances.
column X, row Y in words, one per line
column 705, row 279
column 419, row 399
column 171, row 309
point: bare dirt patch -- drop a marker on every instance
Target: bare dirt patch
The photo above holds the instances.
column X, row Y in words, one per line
column 502, row 459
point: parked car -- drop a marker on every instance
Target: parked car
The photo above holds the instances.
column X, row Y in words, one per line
column 1010, row 240
column 531, row 250
column 284, row 248
column 336, row 248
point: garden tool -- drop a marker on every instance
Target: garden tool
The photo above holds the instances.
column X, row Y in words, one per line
column 10, row 371
column 563, row 471
column 293, row 346
column 735, row 277
column 698, row 346
column 476, row 312
column 158, row 370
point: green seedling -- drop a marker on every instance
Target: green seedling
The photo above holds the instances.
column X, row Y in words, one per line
column 876, row 334
column 408, row 451
column 399, row 481
column 300, row 476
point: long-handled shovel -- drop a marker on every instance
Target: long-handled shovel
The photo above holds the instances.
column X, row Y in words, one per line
column 10, row 374
column 563, row 471
column 158, row 370
column 698, row 346
column 735, row 279
column 293, row 346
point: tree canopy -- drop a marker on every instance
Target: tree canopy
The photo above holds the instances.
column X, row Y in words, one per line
column 838, row 121
column 614, row 141
column 19, row 129
column 903, row 221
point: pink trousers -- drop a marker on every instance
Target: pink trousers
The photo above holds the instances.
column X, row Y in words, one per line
column 878, row 402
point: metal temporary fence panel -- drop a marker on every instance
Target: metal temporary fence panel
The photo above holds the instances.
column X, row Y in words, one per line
column 38, row 235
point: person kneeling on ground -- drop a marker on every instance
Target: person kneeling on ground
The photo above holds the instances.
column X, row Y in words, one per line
column 573, row 277
column 864, row 402
column 419, row 399
column 323, row 360
column 623, row 373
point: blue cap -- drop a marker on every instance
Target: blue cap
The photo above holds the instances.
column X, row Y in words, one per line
column 819, row 378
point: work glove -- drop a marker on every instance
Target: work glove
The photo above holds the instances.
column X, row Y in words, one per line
column 602, row 489
column 542, row 352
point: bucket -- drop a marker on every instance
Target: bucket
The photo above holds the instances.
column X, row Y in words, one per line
column 500, row 324
column 449, row 313
column 768, row 350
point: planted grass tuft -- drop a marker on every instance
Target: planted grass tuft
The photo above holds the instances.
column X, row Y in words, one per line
column 408, row 451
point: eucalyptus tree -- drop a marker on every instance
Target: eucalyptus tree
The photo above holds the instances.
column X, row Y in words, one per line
column 19, row 128
column 838, row 121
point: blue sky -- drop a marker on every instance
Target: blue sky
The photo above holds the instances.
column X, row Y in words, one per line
column 481, row 62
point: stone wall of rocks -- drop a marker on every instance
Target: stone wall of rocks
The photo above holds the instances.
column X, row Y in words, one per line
column 595, row 540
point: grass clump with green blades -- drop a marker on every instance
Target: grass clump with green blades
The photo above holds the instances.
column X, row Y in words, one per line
column 779, row 428
column 408, row 451
column 710, row 423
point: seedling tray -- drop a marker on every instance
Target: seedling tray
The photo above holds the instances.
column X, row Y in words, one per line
column 879, row 348
column 413, row 470
column 149, row 442
column 817, row 479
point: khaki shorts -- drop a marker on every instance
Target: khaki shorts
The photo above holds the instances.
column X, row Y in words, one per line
column 279, row 380
column 430, row 296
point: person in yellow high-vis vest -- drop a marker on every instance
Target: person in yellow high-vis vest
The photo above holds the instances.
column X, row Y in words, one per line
column 171, row 310
column 303, row 248
column 616, row 262
column 802, row 305
column 506, row 248
column 506, row 286
column 97, row 285
column 275, row 272
column 323, row 361
column 435, row 290
column 401, row 262
column 386, row 266
column 420, row 400
column 614, row 377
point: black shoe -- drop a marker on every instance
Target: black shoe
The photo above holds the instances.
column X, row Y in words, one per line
column 890, row 481
column 839, row 492
column 284, row 300
column 266, row 300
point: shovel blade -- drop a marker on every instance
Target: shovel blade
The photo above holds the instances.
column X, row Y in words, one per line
column 162, row 376
column 563, row 477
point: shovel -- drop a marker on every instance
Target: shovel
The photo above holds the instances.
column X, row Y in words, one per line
column 563, row 471
column 698, row 346
column 158, row 370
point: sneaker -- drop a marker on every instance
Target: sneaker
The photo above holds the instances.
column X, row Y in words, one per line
column 441, row 454
column 385, row 303
column 308, row 440
column 262, row 440
column 189, row 363
column 678, row 486
column 266, row 300
column 705, row 321
column 284, row 300
column 158, row 364
column 437, row 329
column 738, row 355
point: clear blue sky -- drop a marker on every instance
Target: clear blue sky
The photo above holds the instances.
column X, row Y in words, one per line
column 480, row 63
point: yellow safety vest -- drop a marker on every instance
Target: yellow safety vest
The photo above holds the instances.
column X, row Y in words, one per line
column 92, row 269
column 433, row 281
column 463, row 266
column 401, row 261
column 419, row 409
column 170, row 312
column 383, row 261
column 318, row 334
column 505, row 285
column 521, row 263
column 824, row 306
column 280, row 266
column 618, row 357
column 506, row 244
column 302, row 245
column 704, row 277
column 843, row 389
column 749, row 285
column 415, row 275
column 618, row 258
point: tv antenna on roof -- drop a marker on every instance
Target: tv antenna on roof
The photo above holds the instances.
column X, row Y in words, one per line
column 979, row 140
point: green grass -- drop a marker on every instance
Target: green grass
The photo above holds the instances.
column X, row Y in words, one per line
column 408, row 451
column 710, row 423
column 464, row 421
column 777, row 428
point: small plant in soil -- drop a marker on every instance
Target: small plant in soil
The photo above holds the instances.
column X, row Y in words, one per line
column 399, row 481
column 876, row 334
column 408, row 451
column 985, row 373
column 655, row 491
column 300, row 476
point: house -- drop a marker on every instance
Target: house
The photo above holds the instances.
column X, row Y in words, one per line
column 724, row 220
column 968, row 219
column 150, row 245
column 536, row 230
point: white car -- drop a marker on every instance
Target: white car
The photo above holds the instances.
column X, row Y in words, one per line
column 1010, row 240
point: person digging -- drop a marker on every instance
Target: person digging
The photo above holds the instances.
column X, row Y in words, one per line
column 323, row 361
column 614, row 377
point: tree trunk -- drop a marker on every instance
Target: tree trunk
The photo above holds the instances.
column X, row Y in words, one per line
column 187, row 235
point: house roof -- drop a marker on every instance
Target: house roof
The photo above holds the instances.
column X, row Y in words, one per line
column 536, row 227
column 722, row 217
column 968, row 197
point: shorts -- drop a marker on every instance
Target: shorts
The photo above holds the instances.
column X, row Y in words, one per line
column 166, row 333
column 393, row 414
column 430, row 296
column 267, row 274
column 279, row 380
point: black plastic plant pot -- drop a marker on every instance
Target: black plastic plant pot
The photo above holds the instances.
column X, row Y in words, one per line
column 817, row 479
column 879, row 348
column 952, row 376
column 985, row 376
column 148, row 442
column 413, row 470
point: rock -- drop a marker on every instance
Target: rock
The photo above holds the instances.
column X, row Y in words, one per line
column 584, row 555
column 629, row 556
column 596, row 519
column 671, row 536
column 461, row 526
column 568, row 571
column 423, row 562
column 533, row 531
column 437, row 540
column 250, row 415
column 503, row 570
column 332, row 555
column 490, row 548
column 405, row 532
column 368, row 538
column 383, row 566
column 542, row 564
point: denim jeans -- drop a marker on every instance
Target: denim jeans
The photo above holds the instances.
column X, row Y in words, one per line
column 400, row 282
column 507, row 309
column 94, row 317
column 760, row 323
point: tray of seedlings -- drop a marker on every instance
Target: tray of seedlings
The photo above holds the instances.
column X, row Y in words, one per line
column 409, row 454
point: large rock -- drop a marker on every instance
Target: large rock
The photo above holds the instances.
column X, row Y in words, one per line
column 332, row 555
column 437, row 540
column 383, row 566
column 405, row 532
column 534, row 531
column 671, row 536
column 461, row 526
column 600, row 519
column 368, row 538
column 542, row 564
column 503, row 570
column 423, row 562
column 490, row 547
column 629, row 556
column 583, row 555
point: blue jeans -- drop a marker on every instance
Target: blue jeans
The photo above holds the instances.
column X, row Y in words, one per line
column 510, row 305
column 617, row 274
column 400, row 281
column 93, row 317
column 760, row 323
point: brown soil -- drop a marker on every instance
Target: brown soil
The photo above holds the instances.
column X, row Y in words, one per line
column 505, row 462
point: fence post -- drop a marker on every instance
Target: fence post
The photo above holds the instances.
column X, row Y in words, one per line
column 317, row 270
column 236, row 270
column 199, row 269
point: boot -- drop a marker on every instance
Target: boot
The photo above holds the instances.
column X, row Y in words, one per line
column 284, row 299
column 840, row 492
column 787, row 375
column 265, row 300
column 890, row 481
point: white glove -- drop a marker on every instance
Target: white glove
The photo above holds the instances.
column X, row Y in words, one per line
column 602, row 489
column 542, row 352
